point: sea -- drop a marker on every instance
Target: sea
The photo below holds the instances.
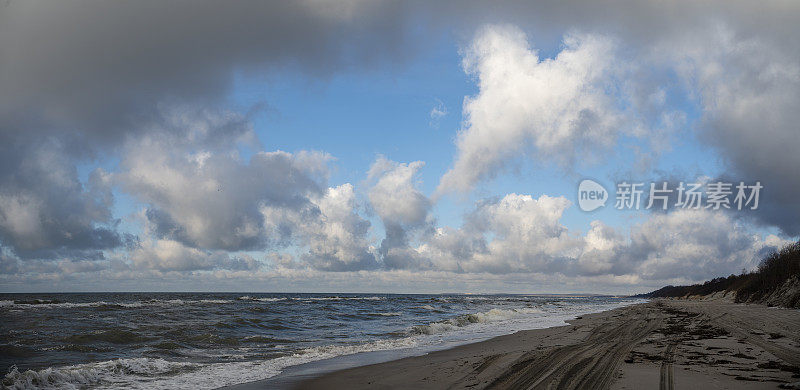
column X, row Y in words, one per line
column 210, row 340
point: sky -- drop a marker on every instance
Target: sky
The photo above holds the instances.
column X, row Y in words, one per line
column 382, row 146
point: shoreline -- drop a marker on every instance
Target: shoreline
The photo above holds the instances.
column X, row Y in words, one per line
column 291, row 376
column 663, row 343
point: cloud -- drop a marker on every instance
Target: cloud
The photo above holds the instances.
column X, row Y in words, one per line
column 327, row 232
column 701, row 243
column 203, row 198
column 748, row 90
column 519, row 233
column 219, row 205
column 505, row 244
column 554, row 109
column 167, row 255
column 145, row 84
column 90, row 78
column 402, row 207
column 336, row 237
column 599, row 252
column 394, row 195
column 741, row 77
column 203, row 202
column 438, row 112
column 202, row 193
column 103, row 67
column 516, row 233
column 526, row 233
column 46, row 210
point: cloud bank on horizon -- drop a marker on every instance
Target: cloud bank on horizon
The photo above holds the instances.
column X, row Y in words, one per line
column 126, row 163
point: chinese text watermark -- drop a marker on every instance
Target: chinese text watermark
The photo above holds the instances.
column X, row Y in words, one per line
column 639, row 195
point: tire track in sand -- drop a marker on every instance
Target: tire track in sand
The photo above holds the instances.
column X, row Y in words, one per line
column 667, row 381
column 588, row 364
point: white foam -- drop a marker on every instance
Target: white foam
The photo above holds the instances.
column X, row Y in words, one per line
column 217, row 301
column 134, row 371
column 341, row 298
column 68, row 304
column 309, row 299
column 249, row 298
column 493, row 315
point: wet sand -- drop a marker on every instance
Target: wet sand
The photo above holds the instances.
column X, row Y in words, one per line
column 666, row 344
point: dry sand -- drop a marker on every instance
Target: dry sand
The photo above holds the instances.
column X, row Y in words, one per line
column 664, row 344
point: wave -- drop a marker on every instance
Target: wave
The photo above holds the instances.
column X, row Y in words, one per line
column 36, row 301
column 430, row 308
column 268, row 299
column 217, row 301
column 225, row 374
column 111, row 373
column 341, row 298
column 56, row 304
column 454, row 323
column 307, row 299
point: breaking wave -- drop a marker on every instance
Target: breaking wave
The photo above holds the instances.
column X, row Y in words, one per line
column 454, row 323
column 249, row 298
column 340, row 299
column 113, row 372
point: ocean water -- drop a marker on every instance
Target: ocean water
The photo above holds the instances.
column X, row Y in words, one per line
column 208, row 340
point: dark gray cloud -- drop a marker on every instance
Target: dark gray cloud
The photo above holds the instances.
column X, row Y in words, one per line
column 745, row 78
column 100, row 67
column 45, row 210
column 749, row 89
column 639, row 23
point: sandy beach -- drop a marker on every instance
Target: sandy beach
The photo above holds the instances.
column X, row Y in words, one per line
column 662, row 344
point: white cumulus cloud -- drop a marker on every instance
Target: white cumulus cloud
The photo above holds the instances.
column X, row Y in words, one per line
column 556, row 109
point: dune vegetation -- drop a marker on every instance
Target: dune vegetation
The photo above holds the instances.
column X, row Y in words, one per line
column 776, row 282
